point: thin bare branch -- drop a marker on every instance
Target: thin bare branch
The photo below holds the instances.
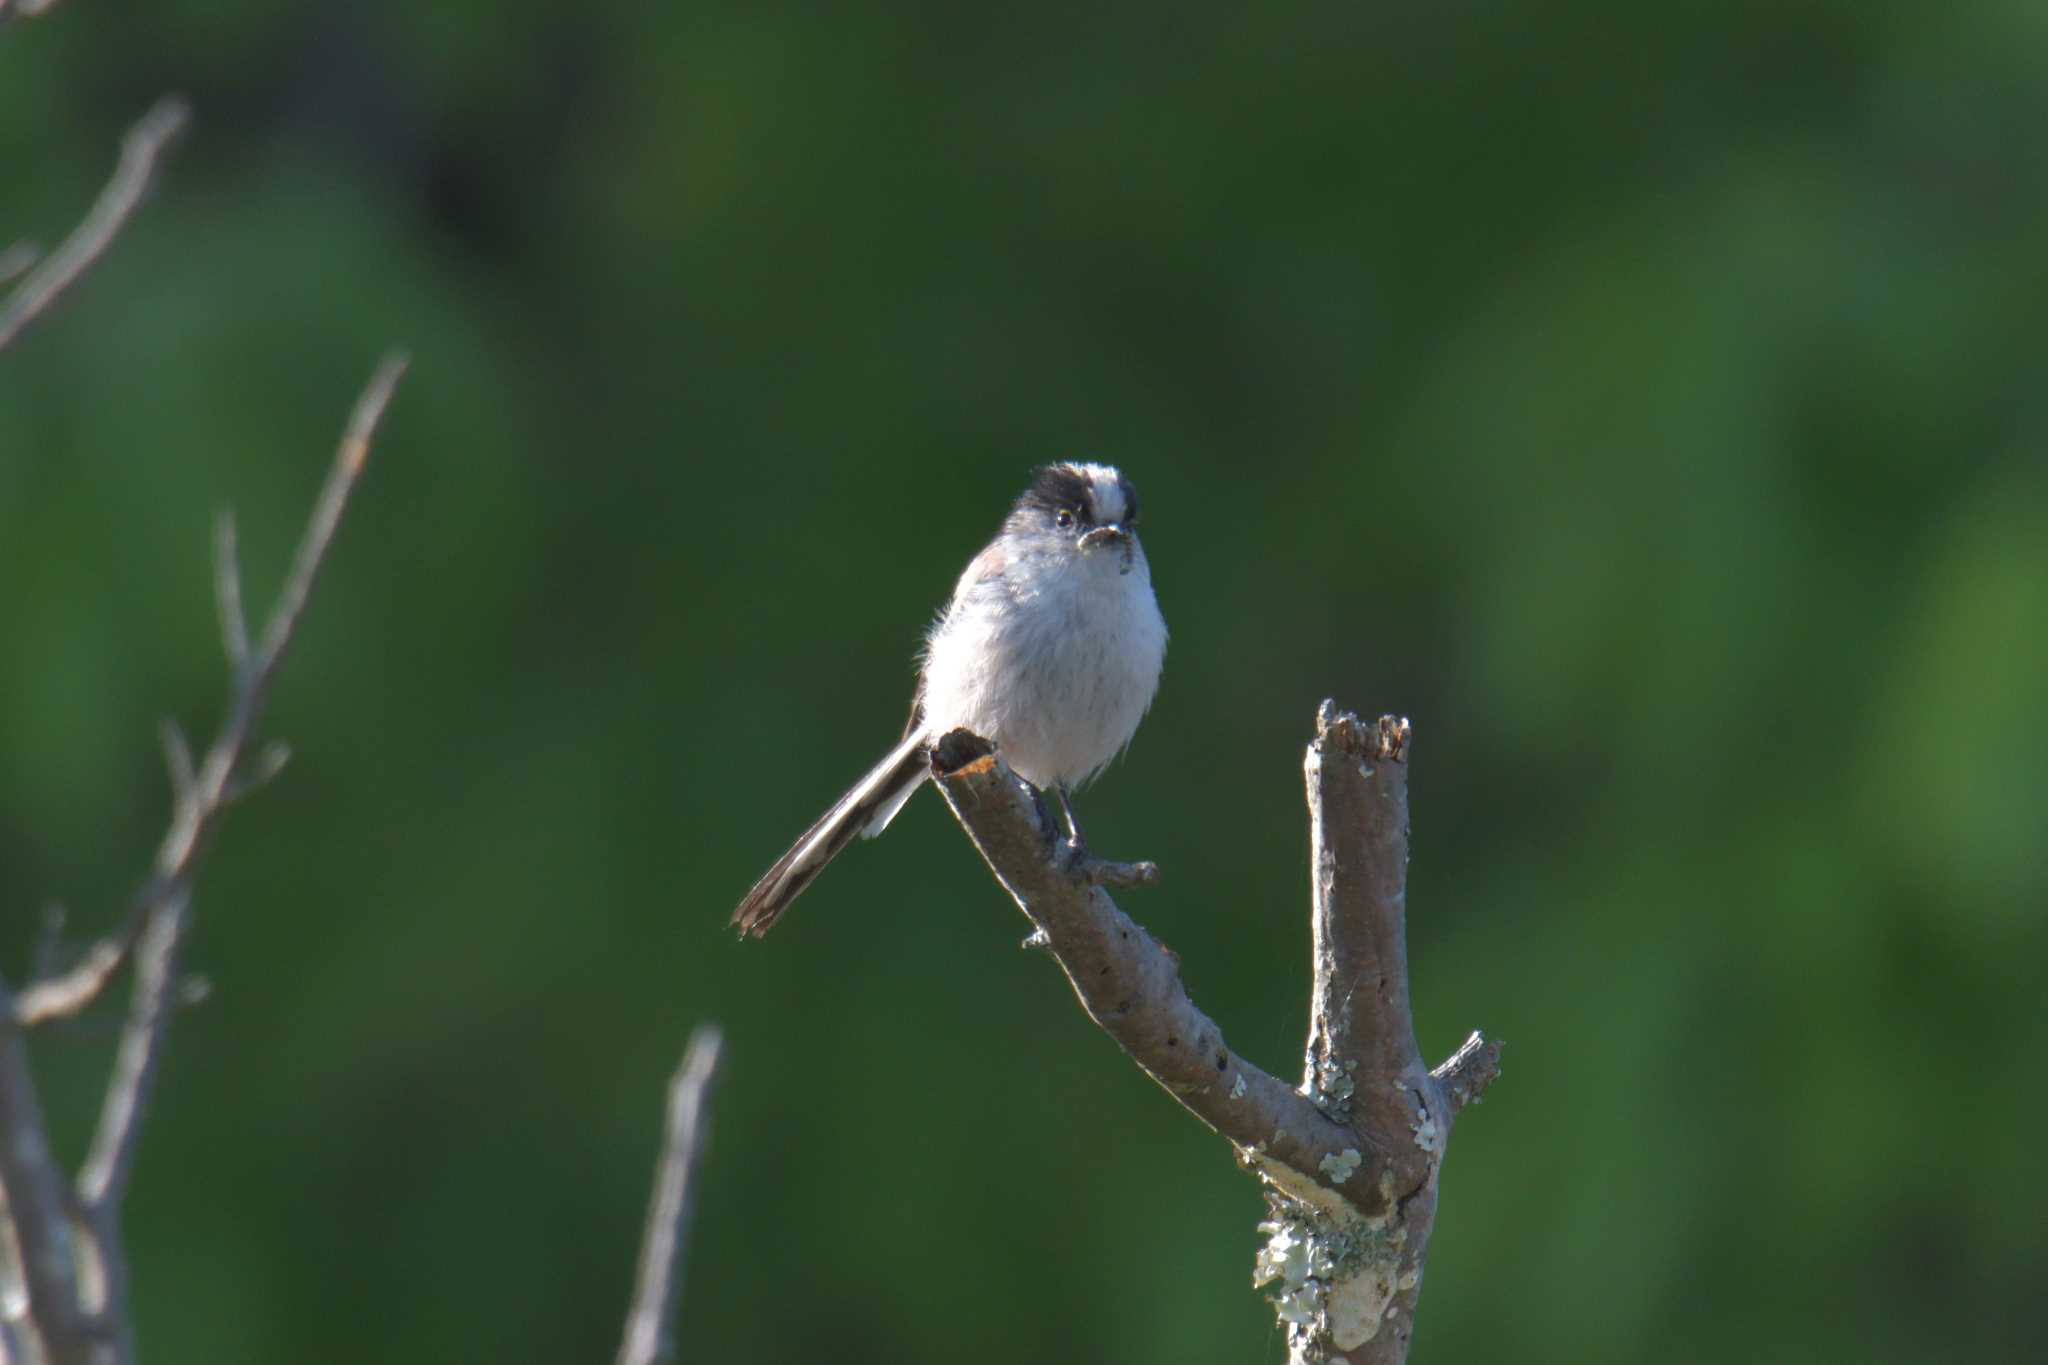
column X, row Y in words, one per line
column 63, row 996
column 62, row 1244
column 59, row 994
column 38, row 1206
column 658, row 1285
column 103, row 1180
column 73, row 1264
column 203, row 792
column 160, row 906
column 349, row 461
column 133, row 176
column 227, row 594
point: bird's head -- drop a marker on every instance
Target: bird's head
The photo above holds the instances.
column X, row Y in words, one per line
column 1083, row 508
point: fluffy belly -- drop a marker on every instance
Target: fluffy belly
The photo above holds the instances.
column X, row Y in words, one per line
column 1060, row 686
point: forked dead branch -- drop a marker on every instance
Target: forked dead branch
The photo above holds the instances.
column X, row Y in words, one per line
column 64, row 1276
column 61, row 1238
column 1350, row 1159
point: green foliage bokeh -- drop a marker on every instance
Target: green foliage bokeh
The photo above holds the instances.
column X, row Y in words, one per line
column 1648, row 401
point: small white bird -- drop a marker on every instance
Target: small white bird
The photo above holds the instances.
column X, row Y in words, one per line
column 1051, row 647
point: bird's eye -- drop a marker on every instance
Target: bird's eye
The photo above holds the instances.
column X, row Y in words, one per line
column 1065, row 518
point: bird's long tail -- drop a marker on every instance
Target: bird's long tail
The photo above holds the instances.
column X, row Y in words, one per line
column 865, row 810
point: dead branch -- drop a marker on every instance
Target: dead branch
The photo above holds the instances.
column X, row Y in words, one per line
column 658, row 1286
column 134, row 174
column 1350, row 1159
column 1127, row 981
column 72, row 1264
column 38, row 1205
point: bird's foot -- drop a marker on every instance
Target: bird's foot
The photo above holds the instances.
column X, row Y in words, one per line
column 1101, row 872
column 1122, row 874
column 1084, row 866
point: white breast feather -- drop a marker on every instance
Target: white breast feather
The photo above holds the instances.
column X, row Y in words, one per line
column 1059, row 678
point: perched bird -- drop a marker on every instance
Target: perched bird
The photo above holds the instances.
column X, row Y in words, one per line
column 1051, row 647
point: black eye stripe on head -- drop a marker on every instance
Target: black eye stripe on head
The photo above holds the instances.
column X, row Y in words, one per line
column 1130, row 500
column 1057, row 488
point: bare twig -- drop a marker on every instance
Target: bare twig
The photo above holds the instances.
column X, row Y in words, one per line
column 202, row 792
column 38, row 1204
column 133, row 175
column 60, row 997
column 1467, row 1072
column 73, row 1265
column 227, row 594
column 104, row 1177
column 658, row 1285
column 349, row 461
column 1350, row 1161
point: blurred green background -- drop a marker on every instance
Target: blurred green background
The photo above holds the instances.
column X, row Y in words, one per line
column 1647, row 400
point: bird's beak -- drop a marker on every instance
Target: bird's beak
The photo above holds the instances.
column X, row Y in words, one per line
column 1111, row 534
